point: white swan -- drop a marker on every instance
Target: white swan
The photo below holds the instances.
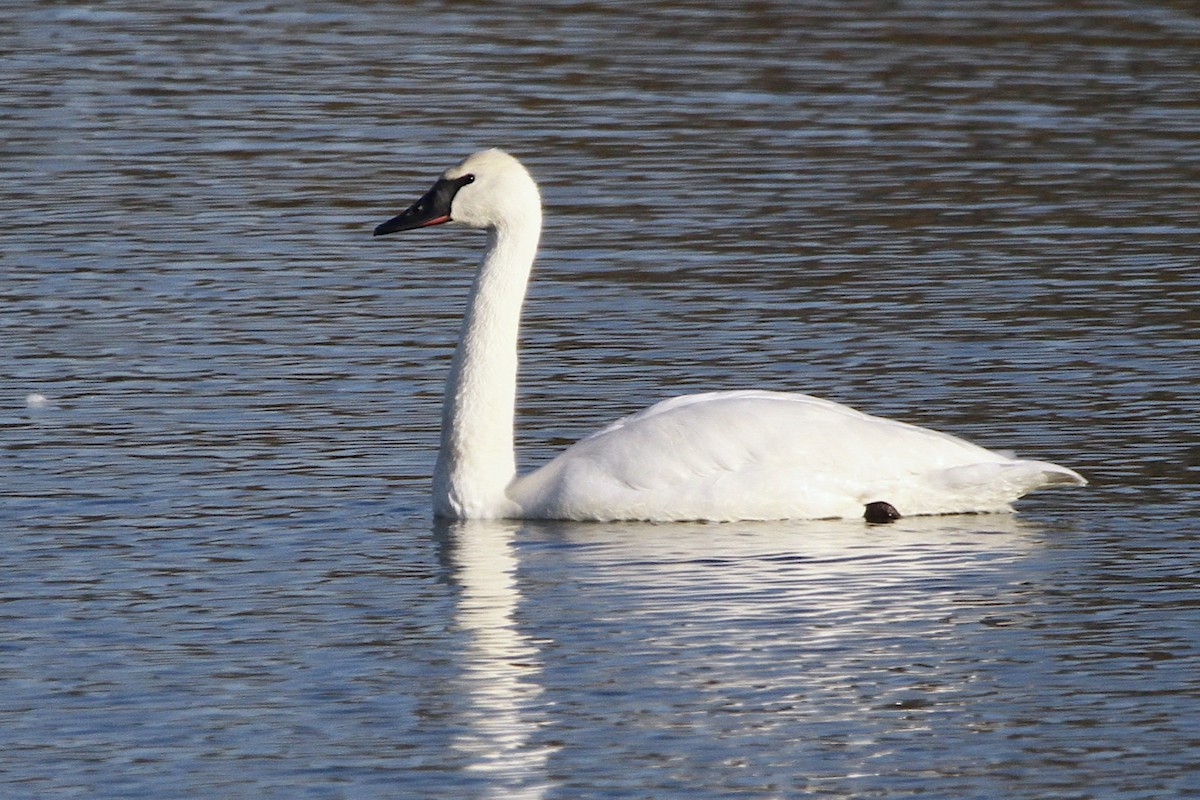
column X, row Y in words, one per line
column 717, row 456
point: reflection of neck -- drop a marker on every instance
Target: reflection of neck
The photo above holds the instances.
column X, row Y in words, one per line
column 500, row 665
column 476, row 460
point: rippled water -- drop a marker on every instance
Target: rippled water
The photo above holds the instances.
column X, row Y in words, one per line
column 220, row 577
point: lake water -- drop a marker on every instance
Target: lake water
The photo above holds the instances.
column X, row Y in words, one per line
column 220, row 576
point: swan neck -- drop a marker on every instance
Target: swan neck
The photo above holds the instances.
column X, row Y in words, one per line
column 476, row 460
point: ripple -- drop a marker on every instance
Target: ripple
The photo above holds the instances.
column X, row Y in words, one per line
column 220, row 574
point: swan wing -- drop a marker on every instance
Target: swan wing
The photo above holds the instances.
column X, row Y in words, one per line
column 770, row 455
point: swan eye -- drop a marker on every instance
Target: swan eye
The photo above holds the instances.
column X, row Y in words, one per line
column 465, row 179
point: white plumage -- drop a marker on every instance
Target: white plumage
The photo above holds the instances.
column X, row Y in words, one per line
column 717, row 456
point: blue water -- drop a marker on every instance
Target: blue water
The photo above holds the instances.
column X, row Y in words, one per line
column 219, row 399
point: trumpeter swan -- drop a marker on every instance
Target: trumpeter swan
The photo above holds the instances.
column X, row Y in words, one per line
column 717, row 456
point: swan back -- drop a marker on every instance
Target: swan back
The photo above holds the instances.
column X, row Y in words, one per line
column 772, row 455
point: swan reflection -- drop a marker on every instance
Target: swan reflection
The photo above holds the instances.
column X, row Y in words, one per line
column 500, row 665
column 822, row 625
column 808, row 584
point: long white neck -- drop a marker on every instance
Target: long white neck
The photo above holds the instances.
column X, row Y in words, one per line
column 476, row 462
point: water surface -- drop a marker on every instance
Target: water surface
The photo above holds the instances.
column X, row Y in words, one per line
column 220, row 574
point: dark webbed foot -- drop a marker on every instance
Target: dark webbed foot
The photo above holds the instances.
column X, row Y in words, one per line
column 881, row 512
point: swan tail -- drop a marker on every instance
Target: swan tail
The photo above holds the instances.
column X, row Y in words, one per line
column 1018, row 475
column 994, row 486
column 1043, row 474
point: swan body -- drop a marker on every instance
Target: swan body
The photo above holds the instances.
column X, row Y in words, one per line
column 715, row 456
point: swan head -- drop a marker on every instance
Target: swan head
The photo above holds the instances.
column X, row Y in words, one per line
column 489, row 189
